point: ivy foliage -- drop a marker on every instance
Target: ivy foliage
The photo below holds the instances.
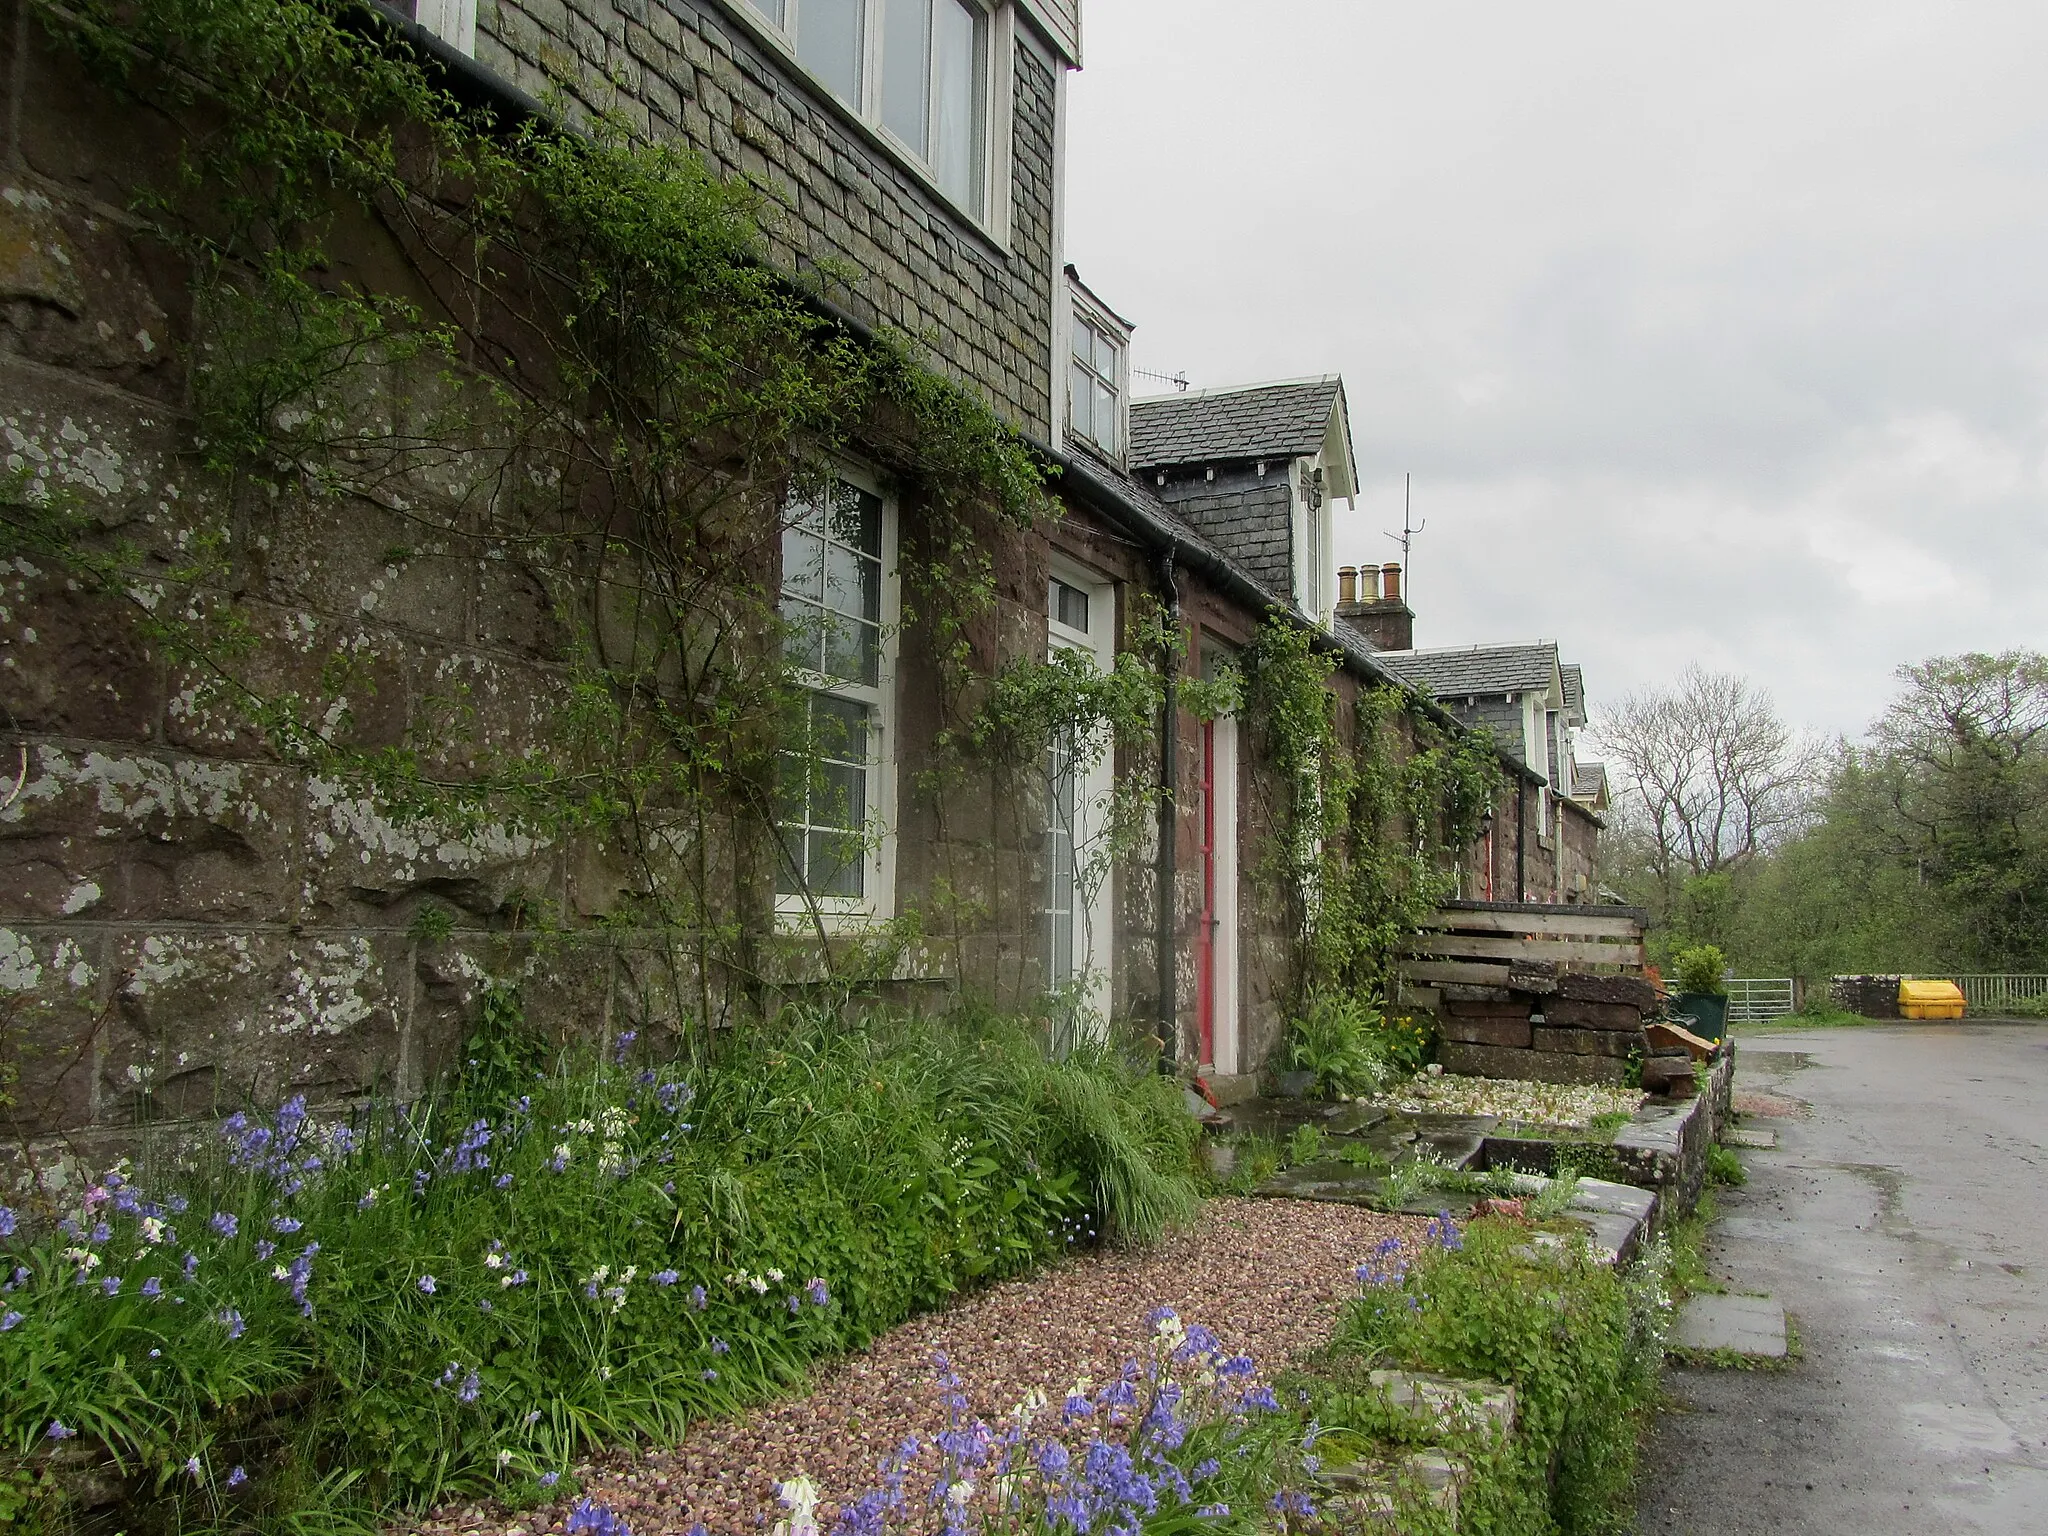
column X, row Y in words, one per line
column 1371, row 811
column 550, row 345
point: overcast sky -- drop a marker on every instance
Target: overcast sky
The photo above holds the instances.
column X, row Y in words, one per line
column 1709, row 333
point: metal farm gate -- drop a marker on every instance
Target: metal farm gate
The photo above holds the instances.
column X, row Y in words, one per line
column 1758, row 1000
column 1992, row 994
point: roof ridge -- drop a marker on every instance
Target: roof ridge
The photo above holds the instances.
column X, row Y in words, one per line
column 1235, row 389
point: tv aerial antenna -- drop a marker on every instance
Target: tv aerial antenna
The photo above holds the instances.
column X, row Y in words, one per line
column 1409, row 528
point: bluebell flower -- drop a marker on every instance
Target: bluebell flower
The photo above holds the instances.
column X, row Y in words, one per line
column 111, row 1286
column 795, row 1305
column 623, row 1045
column 8, row 1321
column 503, row 1181
column 593, row 1519
column 666, row 1277
column 237, row 1477
column 152, row 1287
column 6, row 1222
column 100, row 1233
column 549, row 1479
column 720, row 1347
column 57, row 1431
column 264, row 1249
column 817, row 1292
column 427, row 1285
column 698, row 1300
column 191, row 1265
column 1260, row 1398
column 226, row 1223
column 192, row 1465
column 284, row 1226
column 470, row 1389
column 231, row 1320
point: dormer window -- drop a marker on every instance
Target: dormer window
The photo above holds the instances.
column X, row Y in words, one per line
column 1095, row 394
column 916, row 69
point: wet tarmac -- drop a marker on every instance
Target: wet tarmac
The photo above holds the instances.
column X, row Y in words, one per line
column 1903, row 1222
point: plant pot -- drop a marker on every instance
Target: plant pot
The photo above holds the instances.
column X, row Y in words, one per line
column 1711, row 1013
column 1296, row 1085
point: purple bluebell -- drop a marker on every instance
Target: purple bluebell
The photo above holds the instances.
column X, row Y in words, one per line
column 427, row 1284
column 720, row 1347
column 816, row 1290
column 472, row 1388
column 503, row 1181
column 111, row 1286
column 588, row 1518
column 100, row 1232
column 57, row 1431
column 226, row 1223
column 285, row 1226
column 264, row 1249
column 698, row 1300
column 9, row 1321
column 191, row 1265
column 231, row 1320
column 153, row 1287
column 666, row 1278
column 6, row 1222
column 237, row 1477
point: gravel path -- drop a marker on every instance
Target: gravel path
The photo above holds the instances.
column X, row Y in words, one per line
column 1266, row 1275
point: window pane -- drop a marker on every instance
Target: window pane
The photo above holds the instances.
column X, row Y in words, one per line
column 828, row 44
column 1105, row 356
column 803, row 564
column 856, row 519
column 837, row 868
column 1084, row 341
column 1105, row 416
column 853, row 583
column 773, row 10
column 956, row 100
column 839, row 728
column 852, row 650
column 906, row 70
column 1069, row 606
column 803, row 635
column 1080, row 401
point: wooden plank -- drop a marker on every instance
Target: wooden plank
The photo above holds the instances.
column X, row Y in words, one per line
column 1473, row 946
column 1438, row 972
column 1561, row 921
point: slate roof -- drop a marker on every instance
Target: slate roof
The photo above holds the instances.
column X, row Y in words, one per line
column 1474, row 670
column 1575, row 693
column 1589, row 781
column 1262, row 421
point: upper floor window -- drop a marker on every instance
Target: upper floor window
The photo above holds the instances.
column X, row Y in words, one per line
column 453, row 21
column 835, row 792
column 1095, row 394
column 918, row 69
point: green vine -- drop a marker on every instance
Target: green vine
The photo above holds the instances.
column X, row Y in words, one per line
column 1369, row 818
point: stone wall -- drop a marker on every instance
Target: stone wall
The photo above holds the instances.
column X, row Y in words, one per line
column 836, row 203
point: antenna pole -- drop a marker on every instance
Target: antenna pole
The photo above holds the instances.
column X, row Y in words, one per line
column 1409, row 528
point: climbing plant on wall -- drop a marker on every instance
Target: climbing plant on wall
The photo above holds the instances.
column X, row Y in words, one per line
column 577, row 362
column 1370, row 811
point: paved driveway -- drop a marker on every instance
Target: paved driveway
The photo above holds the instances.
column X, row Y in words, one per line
column 1903, row 1222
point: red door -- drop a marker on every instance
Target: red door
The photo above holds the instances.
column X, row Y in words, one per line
column 1205, row 933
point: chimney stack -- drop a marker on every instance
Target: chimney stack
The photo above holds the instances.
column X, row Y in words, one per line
column 1369, row 600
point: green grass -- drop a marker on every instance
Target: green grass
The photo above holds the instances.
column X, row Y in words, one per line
column 459, row 1296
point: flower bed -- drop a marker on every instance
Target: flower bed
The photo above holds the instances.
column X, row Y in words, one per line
column 316, row 1317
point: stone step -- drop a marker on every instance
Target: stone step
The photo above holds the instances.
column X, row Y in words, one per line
column 1747, row 1136
column 1751, row 1326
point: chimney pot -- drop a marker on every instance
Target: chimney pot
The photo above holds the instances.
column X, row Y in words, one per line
column 1370, row 575
column 1347, row 583
column 1391, row 573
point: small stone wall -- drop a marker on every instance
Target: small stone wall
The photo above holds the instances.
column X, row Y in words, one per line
column 1665, row 1147
column 1545, row 1027
column 1875, row 997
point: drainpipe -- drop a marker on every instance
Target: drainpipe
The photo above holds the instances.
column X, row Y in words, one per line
column 1169, row 824
column 1521, row 839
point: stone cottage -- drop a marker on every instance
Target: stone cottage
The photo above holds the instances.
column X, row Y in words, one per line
column 421, row 700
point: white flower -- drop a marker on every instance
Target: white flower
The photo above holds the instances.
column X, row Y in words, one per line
column 504, row 1459
column 562, row 1152
column 800, row 1497
column 152, row 1230
column 599, row 1275
column 960, row 1491
column 604, row 1373
column 775, row 1275
column 626, row 1277
column 760, row 1286
column 494, row 1261
column 279, row 1272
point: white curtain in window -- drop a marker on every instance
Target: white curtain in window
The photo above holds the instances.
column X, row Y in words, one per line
column 957, row 87
column 828, row 42
column 906, row 71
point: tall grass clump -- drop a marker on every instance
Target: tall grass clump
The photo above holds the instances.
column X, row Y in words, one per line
column 302, row 1318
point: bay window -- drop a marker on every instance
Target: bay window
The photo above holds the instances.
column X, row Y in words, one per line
column 917, row 69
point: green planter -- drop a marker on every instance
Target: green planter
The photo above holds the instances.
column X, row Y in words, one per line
column 1710, row 1011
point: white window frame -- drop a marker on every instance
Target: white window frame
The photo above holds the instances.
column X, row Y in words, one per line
column 453, row 21
column 992, row 216
column 1315, row 568
column 1094, row 917
column 1083, row 313
column 797, row 912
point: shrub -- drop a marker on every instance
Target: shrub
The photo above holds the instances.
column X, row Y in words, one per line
column 1724, row 1167
column 1701, row 969
column 1352, row 1046
column 1580, row 1345
column 457, row 1297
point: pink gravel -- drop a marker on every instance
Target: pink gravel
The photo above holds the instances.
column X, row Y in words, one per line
column 1267, row 1276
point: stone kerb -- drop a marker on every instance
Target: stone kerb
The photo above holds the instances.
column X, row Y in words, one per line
column 1665, row 1147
